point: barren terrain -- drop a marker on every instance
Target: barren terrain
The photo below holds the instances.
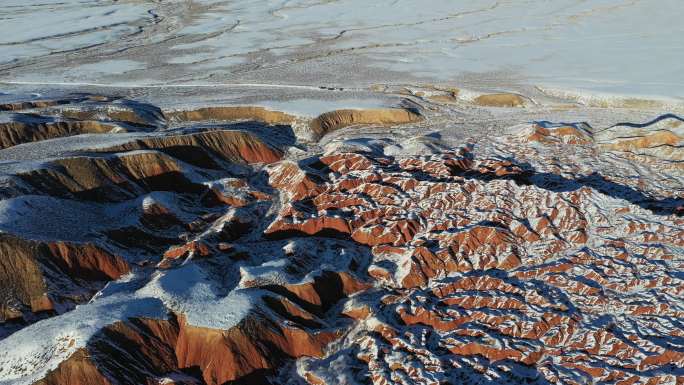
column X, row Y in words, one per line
column 341, row 192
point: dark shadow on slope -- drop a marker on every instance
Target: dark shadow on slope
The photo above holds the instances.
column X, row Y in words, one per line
column 34, row 121
column 654, row 121
column 550, row 124
column 530, row 176
column 557, row 183
column 151, row 114
column 278, row 136
column 257, row 377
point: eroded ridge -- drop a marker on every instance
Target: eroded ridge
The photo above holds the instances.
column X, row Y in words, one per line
column 199, row 250
column 488, row 269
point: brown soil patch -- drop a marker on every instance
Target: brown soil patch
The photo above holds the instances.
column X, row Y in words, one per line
column 500, row 100
column 259, row 114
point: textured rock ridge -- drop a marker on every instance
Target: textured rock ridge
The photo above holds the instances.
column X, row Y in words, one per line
column 334, row 120
column 229, row 253
column 259, row 114
column 14, row 133
column 234, row 146
column 34, row 275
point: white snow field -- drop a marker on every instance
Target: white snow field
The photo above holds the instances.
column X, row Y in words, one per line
column 607, row 47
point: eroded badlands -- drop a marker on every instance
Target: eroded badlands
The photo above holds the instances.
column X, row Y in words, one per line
column 439, row 240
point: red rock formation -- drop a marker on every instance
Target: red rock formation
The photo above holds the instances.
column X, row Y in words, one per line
column 315, row 226
column 78, row 369
column 143, row 351
column 157, row 217
column 255, row 344
column 30, row 271
column 230, row 145
column 86, row 261
column 288, row 177
column 112, row 178
column 515, row 263
column 196, row 248
column 422, row 230
column 562, row 134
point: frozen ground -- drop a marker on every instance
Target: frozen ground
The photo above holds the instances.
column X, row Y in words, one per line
column 605, row 46
column 535, row 240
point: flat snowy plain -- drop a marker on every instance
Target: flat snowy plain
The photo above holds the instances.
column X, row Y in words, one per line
column 602, row 46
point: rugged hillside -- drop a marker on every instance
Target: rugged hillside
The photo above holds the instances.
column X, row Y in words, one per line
column 242, row 245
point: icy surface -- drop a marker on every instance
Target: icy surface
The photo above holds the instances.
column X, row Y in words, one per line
column 497, row 44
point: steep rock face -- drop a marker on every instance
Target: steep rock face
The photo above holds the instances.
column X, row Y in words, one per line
column 138, row 351
column 148, row 351
column 111, row 178
column 14, row 133
column 235, row 146
column 34, row 274
column 155, row 216
column 23, row 285
column 87, row 261
column 255, row 345
column 334, row 120
column 318, row 295
column 288, row 177
column 77, row 370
